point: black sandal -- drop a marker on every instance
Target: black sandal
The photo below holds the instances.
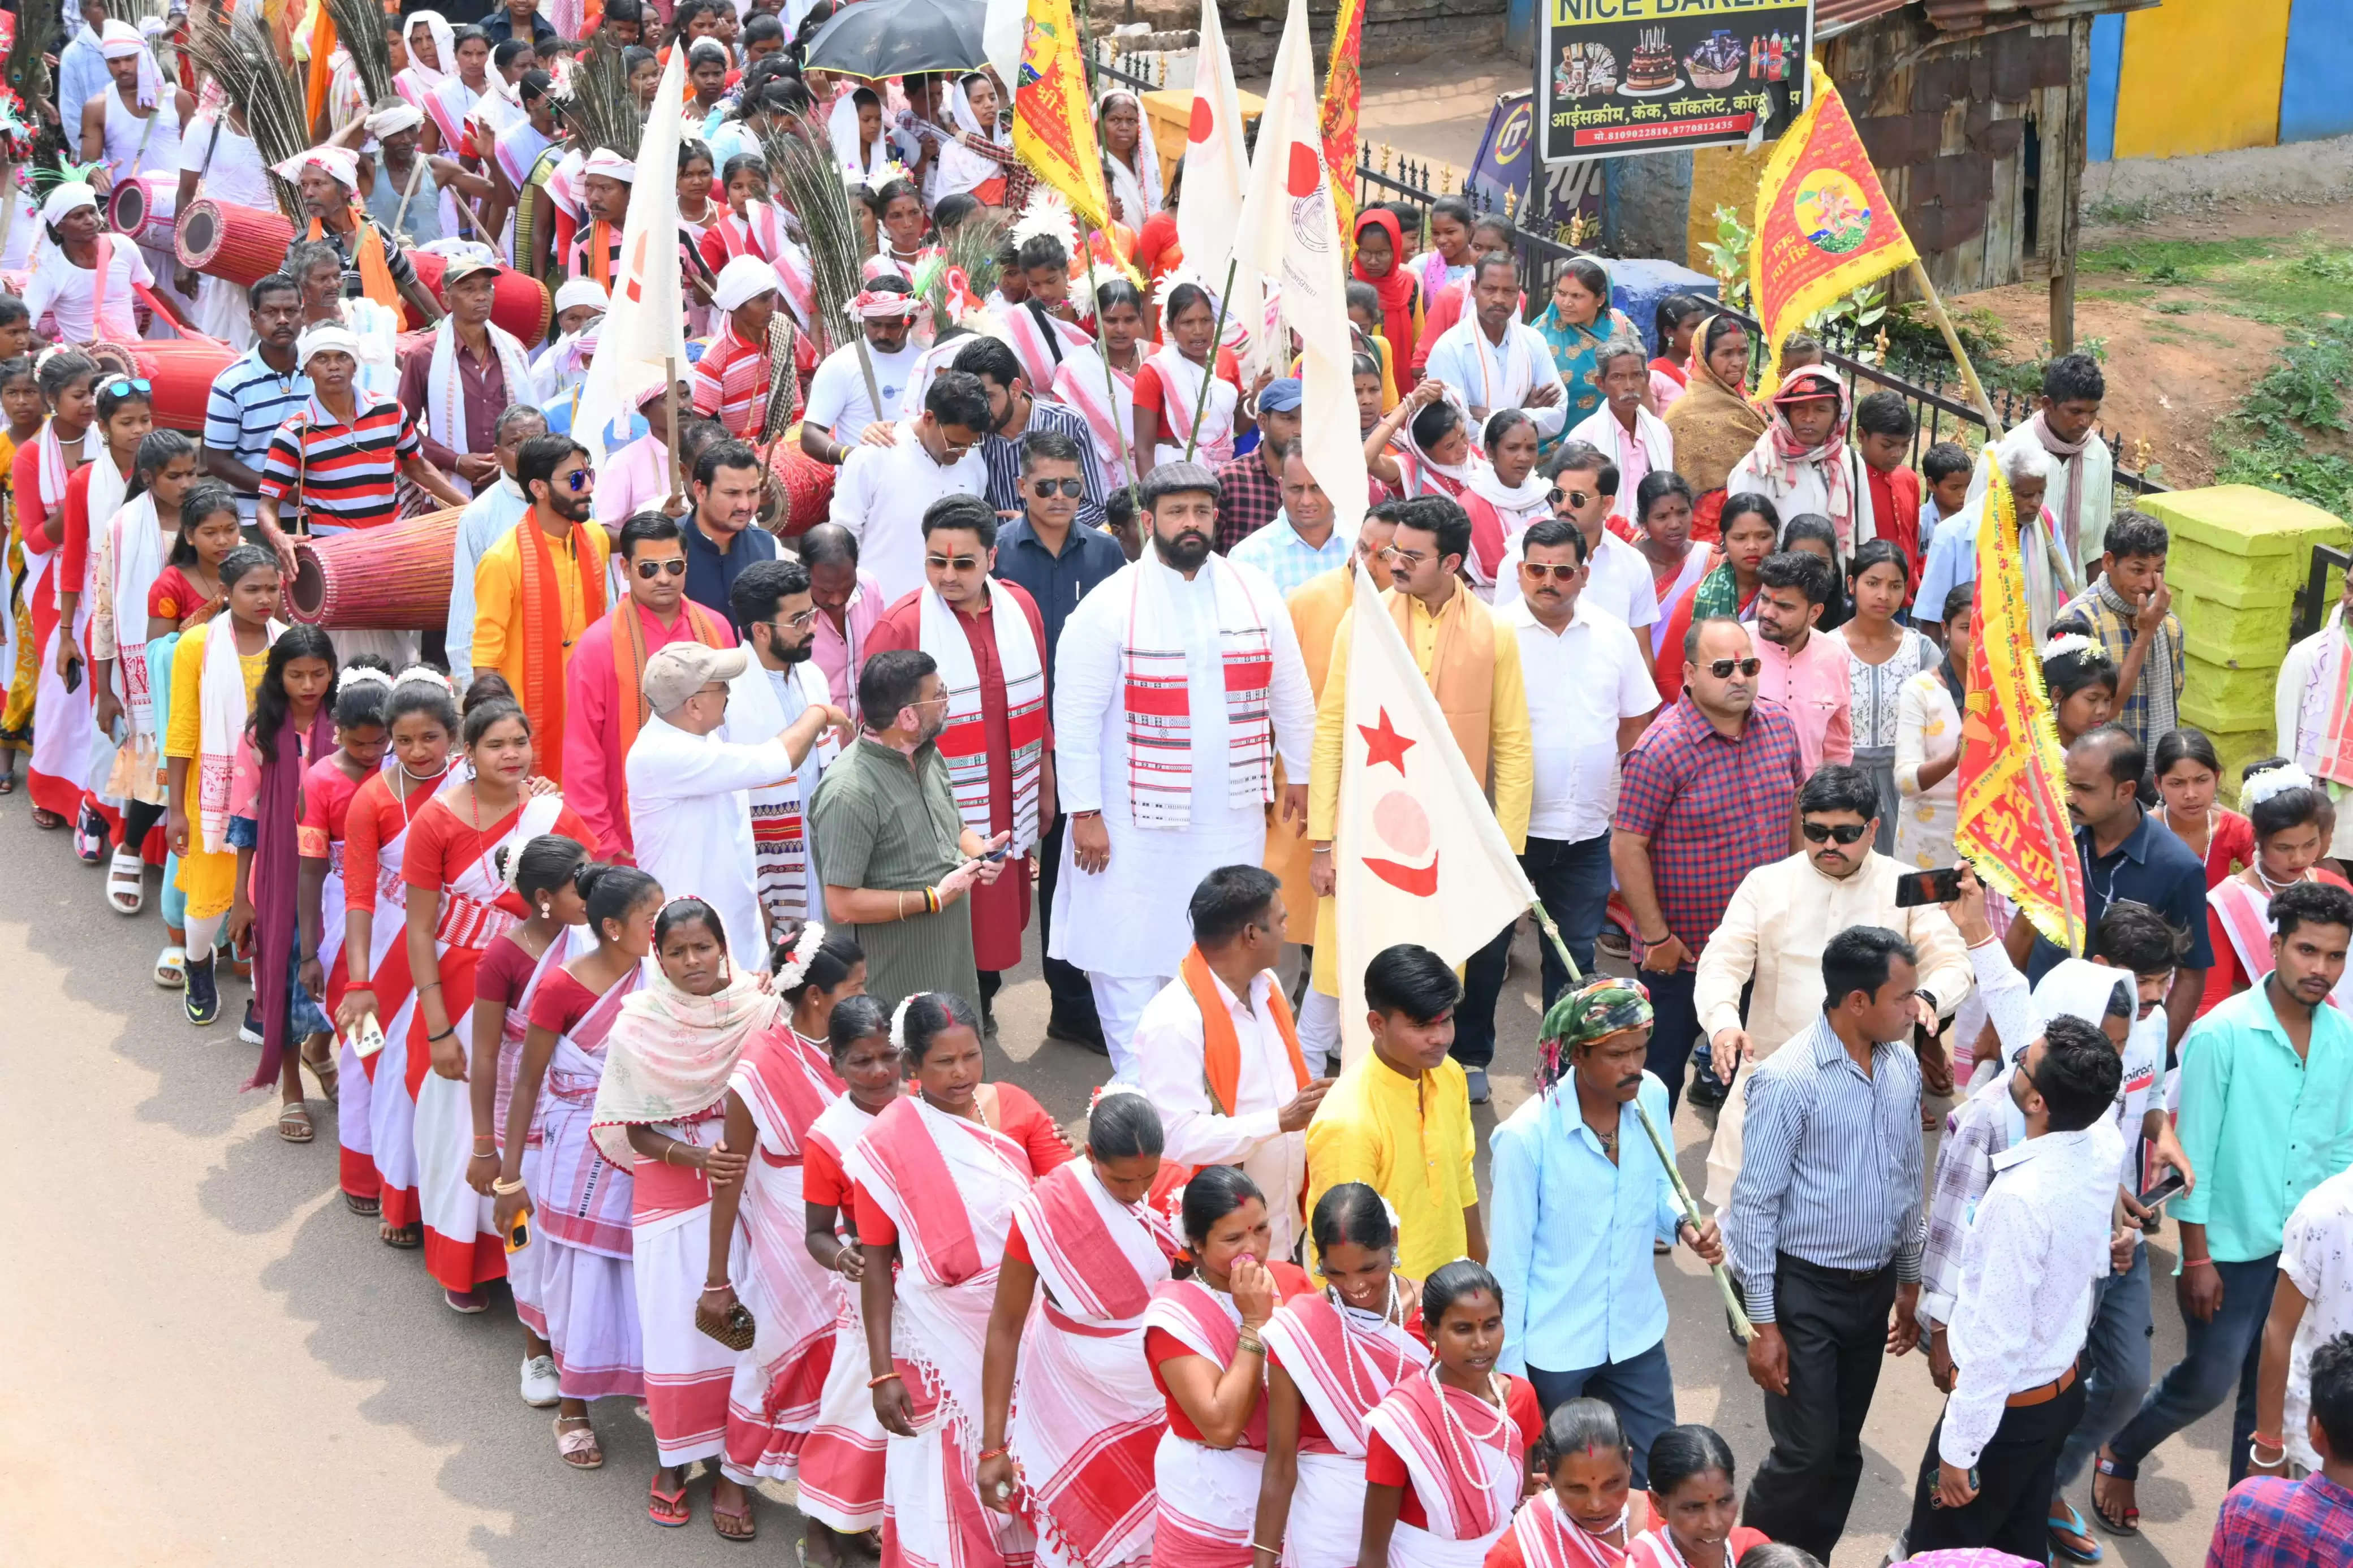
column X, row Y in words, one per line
column 2127, row 1523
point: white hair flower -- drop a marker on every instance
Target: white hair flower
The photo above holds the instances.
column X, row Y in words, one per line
column 2068, row 643
column 2276, row 781
column 899, row 1021
column 796, row 962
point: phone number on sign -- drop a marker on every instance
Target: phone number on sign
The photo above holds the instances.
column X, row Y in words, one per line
column 1728, row 125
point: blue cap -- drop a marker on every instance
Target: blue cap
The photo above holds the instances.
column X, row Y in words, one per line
column 1283, row 396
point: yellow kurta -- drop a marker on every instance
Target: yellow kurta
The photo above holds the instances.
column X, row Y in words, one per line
column 1489, row 718
column 208, row 877
column 1409, row 1140
column 498, row 619
column 1317, row 607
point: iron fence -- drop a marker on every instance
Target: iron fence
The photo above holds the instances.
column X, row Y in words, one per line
column 2312, row 599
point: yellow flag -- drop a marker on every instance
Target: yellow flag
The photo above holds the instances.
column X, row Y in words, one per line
column 1053, row 131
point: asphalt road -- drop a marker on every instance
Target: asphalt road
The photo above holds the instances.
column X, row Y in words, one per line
column 209, row 1362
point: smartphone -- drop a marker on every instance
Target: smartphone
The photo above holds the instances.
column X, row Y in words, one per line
column 368, row 1038
column 72, row 681
column 2163, row 1190
column 1917, row 887
column 1000, row 852
column 520, row 1237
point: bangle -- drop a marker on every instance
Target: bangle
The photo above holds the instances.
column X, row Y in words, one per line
column 665, row 1149
column 1262, row 1546
column 841, row 1251
column 489, row 1138
column 1250, row 1341
column 891, row 1376
column 1655, row 940
column 2190, row 1263
column 995, row 1453
column 505, row 1188
column 722, row 1285
column 429, row 986
column 932, row 901
column 448, row 1033
column 2254, row 1452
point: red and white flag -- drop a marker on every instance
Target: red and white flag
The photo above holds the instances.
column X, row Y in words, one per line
column 1292, row 234
column 641, row 342
column 1217, row 173
column 1418, row 853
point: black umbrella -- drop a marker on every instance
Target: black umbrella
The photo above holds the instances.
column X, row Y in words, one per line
column 891, row 37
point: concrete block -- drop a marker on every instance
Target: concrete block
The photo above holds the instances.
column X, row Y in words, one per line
column 2223, row 634
column 2240, row 694
column 2242, row 520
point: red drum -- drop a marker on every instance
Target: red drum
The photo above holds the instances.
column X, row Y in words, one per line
column 243, row 245
column 393, row 579
column 180, row 370
column 798, row 493
column 140, row 207
column 520, row 303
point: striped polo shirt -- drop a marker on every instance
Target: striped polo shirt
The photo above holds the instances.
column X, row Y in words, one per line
column 731, row 383
column 247, row 402
column 347, row 472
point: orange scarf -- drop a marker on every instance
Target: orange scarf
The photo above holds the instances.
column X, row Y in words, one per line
column 375, row 273
column 596, row 253
column 543, row 642
column 629, row 652
column 1222, row 1049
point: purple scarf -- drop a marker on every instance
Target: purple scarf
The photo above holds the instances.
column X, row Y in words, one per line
column 276, row 864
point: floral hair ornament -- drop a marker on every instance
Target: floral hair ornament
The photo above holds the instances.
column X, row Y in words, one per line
column 1596, row 1011
column 803, row 951
column 361, row 675
column 2067, row 643
column 2274, row 782
column 898, row 1021
column 423, row 675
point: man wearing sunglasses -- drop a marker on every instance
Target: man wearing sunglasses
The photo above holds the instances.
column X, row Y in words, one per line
column 1016, row 414
column 884, row 490
column 1768, row 945
column 547, row 577
column 1618, row 579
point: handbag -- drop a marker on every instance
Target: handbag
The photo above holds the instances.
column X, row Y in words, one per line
column 733, row 1328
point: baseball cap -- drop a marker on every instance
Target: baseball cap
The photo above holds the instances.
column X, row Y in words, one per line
column 677, row 672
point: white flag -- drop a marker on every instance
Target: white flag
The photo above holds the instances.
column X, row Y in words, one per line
column 1217, row 173
column 641, row 342
column 1418, row 853
column 1292, row 234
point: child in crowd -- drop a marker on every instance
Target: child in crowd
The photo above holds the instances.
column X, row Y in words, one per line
column 2128, row 608
column 1884, row 428
column 1944, row 470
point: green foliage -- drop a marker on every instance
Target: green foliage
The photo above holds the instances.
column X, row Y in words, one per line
column 2120, row 212
column 1727, row 256
column 2279, row 436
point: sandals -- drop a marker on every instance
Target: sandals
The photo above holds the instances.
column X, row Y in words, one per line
column 667, row 1510
column 578, row 1447
column 2067, row 1528
column 323, row 1068
column 126, row 888
column 172, row 967
column 720, row 1519
column 47, row 821
column 2128, row 1521
column 404, row 1238
column 8, row 782
column 294, row 1124
column 368, row 1207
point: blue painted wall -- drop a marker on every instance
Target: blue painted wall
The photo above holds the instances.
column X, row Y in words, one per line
column 2314, row 99
column 2100, row 110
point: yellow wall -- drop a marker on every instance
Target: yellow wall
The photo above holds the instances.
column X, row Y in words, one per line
column 2167, row 107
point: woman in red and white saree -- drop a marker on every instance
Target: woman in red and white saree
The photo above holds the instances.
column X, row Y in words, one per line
column 2293, row 820
column 375, row 1113
column 782, row 1086
column 841, row 1461
column 1201, row 1340
column 458, row 903
column 1589, row 1513
column 1693, row 1505
column 578, row 1202
column 1330, row 1359
column 1108, row 401
column 937, row 1176
column 661, row 1108
column 1446, row 1455
column 1069, row 1446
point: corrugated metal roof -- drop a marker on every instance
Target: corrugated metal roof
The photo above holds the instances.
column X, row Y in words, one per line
column 1839, row 14
column 1833, row 17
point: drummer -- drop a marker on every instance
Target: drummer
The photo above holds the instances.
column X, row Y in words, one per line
column 403, row 197
column 83, row 278
column 374, row 267
column 334, row 464
column 133, row 127
column 606, row 182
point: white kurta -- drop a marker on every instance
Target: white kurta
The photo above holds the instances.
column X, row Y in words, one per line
column 1600, row 430
column 762, row 704
column 881, row 496
column 690, row 818
column 1129, row 920
column 1495, row 377
column 2099, row 492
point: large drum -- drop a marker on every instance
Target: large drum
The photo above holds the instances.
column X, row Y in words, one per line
column 140, row 207
column 180, row 371
column 798, row 492
column 520, row 303
column 390, row 579
column 243, row 245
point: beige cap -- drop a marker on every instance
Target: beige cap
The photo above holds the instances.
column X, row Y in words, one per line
column 466, row 266
column 677, row 672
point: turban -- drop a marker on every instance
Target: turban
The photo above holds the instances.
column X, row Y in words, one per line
column 341, row 162
column 1604, row 1007
column 611, row 164
column 122, row 41
column 71, row 196
column 327, row 337
column 579, row 291
column 394, row 119
column 741, row 281
column 880, row 305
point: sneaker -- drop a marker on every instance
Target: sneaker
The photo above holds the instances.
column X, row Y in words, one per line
column 465, row 1301
column 91, row 836
column 539, row 1386
column 1477, row 1078
column 249, row 1031
column 203, row 996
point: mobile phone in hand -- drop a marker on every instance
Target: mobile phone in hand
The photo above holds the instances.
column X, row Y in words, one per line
column 72, row 681
column 1915, row 888
column 2162, row 1191
column 1000, row 852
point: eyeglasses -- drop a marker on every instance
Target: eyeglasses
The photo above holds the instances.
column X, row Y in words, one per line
column 951, row 562
column 1409, row 559
column 1844, row 832
column 801, row 621
column 580, row 479
column 1537, row 570
column 1576, row 499
column 1722, row 669
column 650, row 570
column 1047, row 489
column 123, row 386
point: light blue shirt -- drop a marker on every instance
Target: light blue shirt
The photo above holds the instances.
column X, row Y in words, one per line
column 1288, row 560
column 1570, row 1233
column 81, row 74
column 1952, row 561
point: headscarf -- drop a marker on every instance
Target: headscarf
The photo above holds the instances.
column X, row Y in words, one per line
column 1138, row 189
column 68, row 198
column 327, row 337
column 1457, row 476
column 869, row 169
column 669, row 1055
column 1779, row 454
column 578, row 291
column 603, row 160
column 744, row 279
column 445, row 46
column 1714, row 425
column 1594, row 1011
column 394, row 119
column 341, row 162
column 1396, row 290
column 960, row 169
column 121, row 41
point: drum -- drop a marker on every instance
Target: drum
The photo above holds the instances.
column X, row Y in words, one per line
column 140, row 208
column 520, row 303
column 243, row 245
column 392, row 579
column 798, row 492
column 180, row 371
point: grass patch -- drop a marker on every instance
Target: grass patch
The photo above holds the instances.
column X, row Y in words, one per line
column 2297, row 281
column 2173, row 307
column 2278, row 437
column 2141, row 211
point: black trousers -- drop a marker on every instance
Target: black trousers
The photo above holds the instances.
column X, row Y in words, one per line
column 2016, row 1472
column 1073, row 1000
column 1834, row 1322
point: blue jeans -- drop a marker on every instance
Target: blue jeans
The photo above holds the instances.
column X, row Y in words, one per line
column 1674, row 1027
column 1642, row 1389
column 2116, row 1358
column 2219, row 1355
column 1573, row 881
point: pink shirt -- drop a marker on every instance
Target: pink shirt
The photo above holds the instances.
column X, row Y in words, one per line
column 1816, row 689
column 634, row 479
column 840, row 650
column 594, row 783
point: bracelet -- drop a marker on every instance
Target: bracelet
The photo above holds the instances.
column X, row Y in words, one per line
column 1262, row 1546
column 841, row 1250
column 665, row 1149
column 2266, row 1440
column 891, row 1376
column 449, row 1033
column 359, row 986
column 1250, row 1342
column 1655, row 940
column 429, row 986
column 505, row 1188
column 932, row 901
column 2255, row 1457
column 995, row 1453
column 722, row 1285
column 489, row 1138
column 2190, row 1263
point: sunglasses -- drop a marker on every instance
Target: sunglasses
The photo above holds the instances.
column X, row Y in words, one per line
column 580, row 479
column 650, row 570
column 1537, row 570
column 1822, row 832
column 1576, row 499
column 801, row 621
column 951, row 562
column 1047, row 489
column 1722, row 669
column 121, row 386
column 1409, row 559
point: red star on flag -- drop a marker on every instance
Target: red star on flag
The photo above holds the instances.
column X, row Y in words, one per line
column 1384, row 744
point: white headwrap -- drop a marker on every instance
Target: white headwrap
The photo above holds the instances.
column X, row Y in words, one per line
column 1138, row 189
column 611, row 164
column 341, row 162
column 327, row 337
column 742, row 279
column 394, row 119
column 869, row 169
column 577, row 292
column 960, row 169
column 69, row 197
column 445, row 46
column 121, row 41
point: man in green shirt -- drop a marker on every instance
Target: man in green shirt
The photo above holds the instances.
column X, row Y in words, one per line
column 2266, row 1116
column 892, row 850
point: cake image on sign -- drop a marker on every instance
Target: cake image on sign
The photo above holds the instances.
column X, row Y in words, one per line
column 1832, row 211
column 1651, row 70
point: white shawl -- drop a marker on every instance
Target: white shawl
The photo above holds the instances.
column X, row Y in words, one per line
column 1182, row 378
column 136, row 541
column 445, row 404
column 1138, row 189
column 221, row 711
column 959, row 169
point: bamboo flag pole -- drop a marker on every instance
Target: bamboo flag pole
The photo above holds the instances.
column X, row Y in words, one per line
column 1736, row 1318
column 1111, row 382
column 1201, row 403
column 1960, row 356
column 670, row 408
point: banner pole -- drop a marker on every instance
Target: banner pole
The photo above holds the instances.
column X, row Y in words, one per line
column 1960, row 356
column 1209, row 376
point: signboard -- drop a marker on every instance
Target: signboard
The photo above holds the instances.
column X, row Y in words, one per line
column 1649, row 76
column 1544, row 198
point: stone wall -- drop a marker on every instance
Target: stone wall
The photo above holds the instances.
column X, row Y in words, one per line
column 1395, row 30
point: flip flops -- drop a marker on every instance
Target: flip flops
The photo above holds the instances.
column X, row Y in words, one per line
column 172, row 967
column 2066, row 1527
column 667, row 1510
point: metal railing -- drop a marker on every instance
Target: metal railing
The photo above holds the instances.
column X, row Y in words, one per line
column 2312, row 599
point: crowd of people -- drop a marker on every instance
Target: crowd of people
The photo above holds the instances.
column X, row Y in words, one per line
column 643, row 917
